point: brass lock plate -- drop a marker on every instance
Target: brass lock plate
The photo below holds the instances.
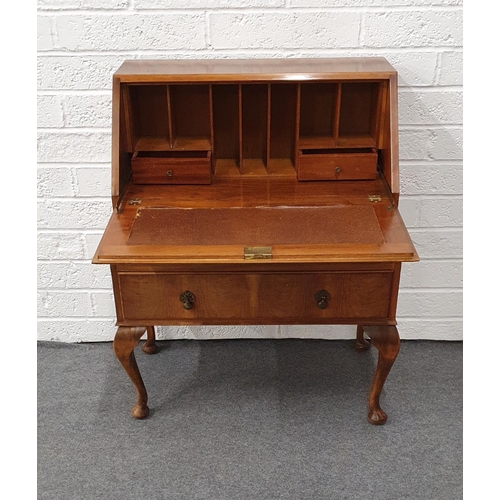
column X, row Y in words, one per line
column 258, row 252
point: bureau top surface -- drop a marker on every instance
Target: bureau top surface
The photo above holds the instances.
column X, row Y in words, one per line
column 255, row 69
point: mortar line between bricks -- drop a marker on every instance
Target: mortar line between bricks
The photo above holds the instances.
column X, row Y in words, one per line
column 81, row 231
column 73, row 165
column 111, row 319
column 75, row 130
column 417, row 290
column 69, row 92
column 68, row 164
column 208, row 37
column 437, row 289
column 421, row 162
column 86, row 130
column 278, row 51
column 408, row 163
column 432, row 88
column 427, row 196
column 75, row 318
column 253, row 10
column 107, row 92
column 436, row 229
column 72, row 198
column 452, row 260
column 449, row 126
column 414, row 229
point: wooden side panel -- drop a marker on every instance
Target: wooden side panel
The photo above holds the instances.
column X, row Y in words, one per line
column 121, row 145
column 115, row 141
column 388, row 138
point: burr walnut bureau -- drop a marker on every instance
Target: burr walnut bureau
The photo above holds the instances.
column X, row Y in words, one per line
column 256, row 192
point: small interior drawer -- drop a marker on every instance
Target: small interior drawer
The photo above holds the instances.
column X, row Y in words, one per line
column 337, row 164
column 176, row 167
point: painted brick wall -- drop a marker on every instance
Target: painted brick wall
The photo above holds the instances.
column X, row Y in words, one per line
column 82, row 42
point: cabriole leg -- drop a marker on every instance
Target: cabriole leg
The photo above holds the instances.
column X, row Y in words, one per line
column 150, row 347
column 126, row 339
column 386, row 340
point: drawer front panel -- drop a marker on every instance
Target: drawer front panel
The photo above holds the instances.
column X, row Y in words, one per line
column 157, row 296
column 348, row 295
column 259, row 298
column 171, row 170
column 337, row 166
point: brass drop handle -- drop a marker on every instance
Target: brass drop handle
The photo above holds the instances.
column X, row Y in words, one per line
column 322, row 298
column 187, row 298
column 338, row 170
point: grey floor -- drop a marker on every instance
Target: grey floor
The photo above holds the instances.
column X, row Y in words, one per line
column 249, row 419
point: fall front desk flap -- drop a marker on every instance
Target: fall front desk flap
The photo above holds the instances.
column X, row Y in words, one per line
column 345, row 233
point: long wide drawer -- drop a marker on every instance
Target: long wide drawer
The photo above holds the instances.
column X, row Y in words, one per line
column 253, row 298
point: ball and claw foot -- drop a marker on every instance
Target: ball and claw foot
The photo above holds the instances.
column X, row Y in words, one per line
column 150, row 347
column 140, row 411
column 377, row 416
column 361, row 344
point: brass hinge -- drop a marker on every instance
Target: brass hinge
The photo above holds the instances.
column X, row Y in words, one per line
column 258, row 252
column 375, row 198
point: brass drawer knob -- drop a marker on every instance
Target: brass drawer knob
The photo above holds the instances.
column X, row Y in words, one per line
column 338, row 170
column 187, row 298
column 322, row 298
column 169, row 173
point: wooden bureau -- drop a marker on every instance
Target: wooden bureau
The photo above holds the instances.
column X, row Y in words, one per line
column 256, row 192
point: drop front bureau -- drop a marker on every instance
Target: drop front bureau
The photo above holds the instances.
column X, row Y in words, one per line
column 256, row 192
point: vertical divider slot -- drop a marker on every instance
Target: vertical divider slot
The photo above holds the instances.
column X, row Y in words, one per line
column 359, row 120
column 226, row 128
column 240, row 128
column 297, row 126
column 318, row 106
column 268, row 128
column 169, row 120
column 254, row 121
column 190, row 117
column 336, row 111
column 282, row 128
column 149, row 116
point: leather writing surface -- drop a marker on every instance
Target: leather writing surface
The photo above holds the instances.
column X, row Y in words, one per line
column 256, row 226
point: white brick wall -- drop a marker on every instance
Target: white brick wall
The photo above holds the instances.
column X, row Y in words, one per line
column 82, row 42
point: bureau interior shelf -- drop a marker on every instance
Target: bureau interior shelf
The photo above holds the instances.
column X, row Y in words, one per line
column 253, row 128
